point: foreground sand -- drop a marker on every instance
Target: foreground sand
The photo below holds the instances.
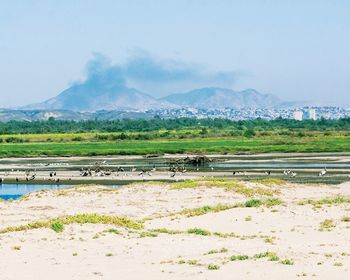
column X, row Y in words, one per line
column 293, row 232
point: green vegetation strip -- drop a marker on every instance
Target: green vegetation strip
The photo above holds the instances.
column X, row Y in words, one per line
column 326, row 201
column 57, row 224
column 204, row 232
column 271, row 256
column 231, row 185
column 212, row 145
column 222, row 207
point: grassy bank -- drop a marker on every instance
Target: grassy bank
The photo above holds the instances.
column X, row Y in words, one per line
column 220, row 145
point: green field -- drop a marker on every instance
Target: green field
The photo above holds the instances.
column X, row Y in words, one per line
column 221, row 145
column 160, row 136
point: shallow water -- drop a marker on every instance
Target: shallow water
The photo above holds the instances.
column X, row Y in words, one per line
column 286, row 165
column 15, row 191
column 306, row 165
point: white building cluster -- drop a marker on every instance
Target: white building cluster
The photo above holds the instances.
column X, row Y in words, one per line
column 303, row 113
column 308, row 114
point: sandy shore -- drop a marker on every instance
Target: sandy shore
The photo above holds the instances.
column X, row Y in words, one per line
column 296, row 235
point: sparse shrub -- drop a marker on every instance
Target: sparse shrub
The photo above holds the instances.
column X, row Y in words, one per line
column 327, row 225
column 272, row 256
column 213, row 267
column 199, row 231
column 239, row 258
column 147, row 234
column 287, row 262
column 222, row 250
column 346, row 219
column 113, row 230
column 253, row 203
column 326, row 201
column 192, row 262
column 272, row 202
column 57, row 227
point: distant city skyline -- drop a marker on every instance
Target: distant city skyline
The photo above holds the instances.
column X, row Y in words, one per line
column 295, row 50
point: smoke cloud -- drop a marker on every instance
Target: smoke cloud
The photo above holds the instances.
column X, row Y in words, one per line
column 151, row 75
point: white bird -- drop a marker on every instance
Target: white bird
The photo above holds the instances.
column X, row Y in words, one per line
column 322, row 172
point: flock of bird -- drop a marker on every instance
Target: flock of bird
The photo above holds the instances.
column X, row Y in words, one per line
column 98, row 171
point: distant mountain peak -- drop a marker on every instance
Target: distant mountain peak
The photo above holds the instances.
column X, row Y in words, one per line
column 90, row 98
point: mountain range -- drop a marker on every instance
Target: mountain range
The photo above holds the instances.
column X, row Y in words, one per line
column 90, row 98
column 219, row 98
column 87, row 98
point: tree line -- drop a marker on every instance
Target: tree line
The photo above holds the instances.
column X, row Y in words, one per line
column 157, row 124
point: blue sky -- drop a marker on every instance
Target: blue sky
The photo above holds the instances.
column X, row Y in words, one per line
column 296, row 50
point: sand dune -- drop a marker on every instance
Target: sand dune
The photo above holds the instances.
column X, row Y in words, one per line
column 225, row 245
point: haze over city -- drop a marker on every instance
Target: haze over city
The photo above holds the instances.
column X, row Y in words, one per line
column 294, row 50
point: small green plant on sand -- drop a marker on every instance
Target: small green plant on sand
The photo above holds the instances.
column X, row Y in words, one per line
column 147, row 234
column 57, row 227
column 287, row 262
column 222, row 250
column 327, row 225
column 239, row 258
column 270, row 202
column 213, row 267
column 253, row 203
column 112, row 230
column 272, row 256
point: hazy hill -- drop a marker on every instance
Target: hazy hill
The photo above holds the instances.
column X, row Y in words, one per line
column 223, row 98
column 90, row 98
